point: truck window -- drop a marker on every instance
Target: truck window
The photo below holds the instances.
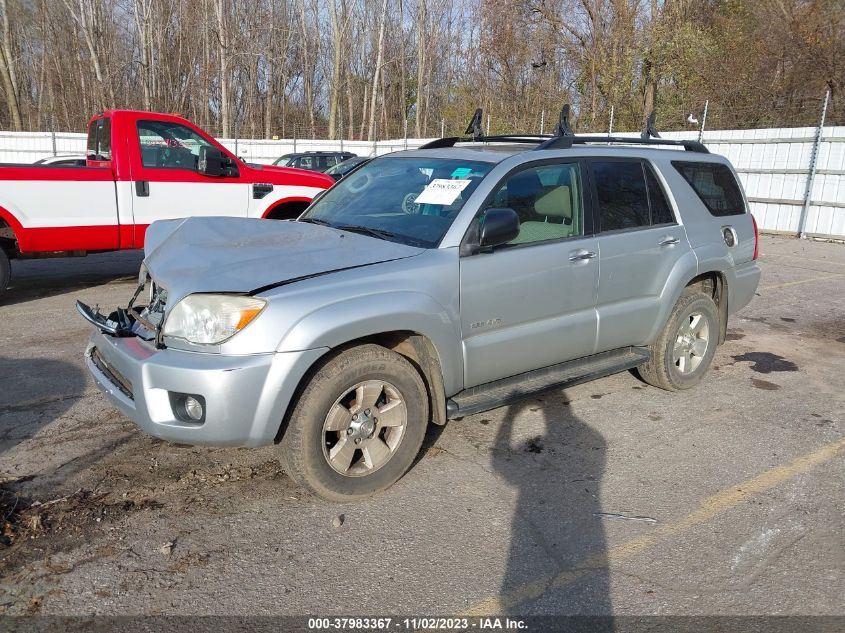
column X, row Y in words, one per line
column 166, row 145
column 714, row 184
column 99, row 140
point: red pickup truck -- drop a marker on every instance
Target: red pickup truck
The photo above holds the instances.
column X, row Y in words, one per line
column 140, row 167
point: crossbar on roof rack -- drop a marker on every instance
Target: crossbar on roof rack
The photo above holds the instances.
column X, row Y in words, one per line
column 565, row 142
column 450, row 141
column 564, row 138
column 545, row 141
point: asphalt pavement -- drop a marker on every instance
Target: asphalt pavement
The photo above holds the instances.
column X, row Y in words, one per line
column 611, row 497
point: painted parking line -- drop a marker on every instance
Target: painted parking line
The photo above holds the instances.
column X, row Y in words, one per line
column 802, row 258
column 802, row 281
column 710, row 508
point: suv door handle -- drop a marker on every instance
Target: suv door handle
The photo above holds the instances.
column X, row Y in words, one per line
column 580, row 254
column 668, row 241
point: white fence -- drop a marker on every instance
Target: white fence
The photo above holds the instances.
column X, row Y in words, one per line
column 773, row 164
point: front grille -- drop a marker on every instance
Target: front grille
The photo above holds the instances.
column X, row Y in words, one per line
column 114, row 376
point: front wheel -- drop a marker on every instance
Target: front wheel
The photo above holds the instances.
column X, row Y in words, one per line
column 684, row 350
column 5, row 271
column 358, row 424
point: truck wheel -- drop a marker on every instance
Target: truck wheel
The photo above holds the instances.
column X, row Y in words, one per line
column 5, row 271
column 684, row 350
column 358, row 424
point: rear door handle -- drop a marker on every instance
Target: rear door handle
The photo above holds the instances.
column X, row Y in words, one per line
column 142, row 188
column 580, row 254
column 668, row 241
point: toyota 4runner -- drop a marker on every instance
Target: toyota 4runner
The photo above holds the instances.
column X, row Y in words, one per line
column 428, row 285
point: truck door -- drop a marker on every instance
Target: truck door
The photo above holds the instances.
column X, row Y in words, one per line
column 166, row 183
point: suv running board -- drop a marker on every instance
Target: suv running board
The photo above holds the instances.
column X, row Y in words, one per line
column 501, row 392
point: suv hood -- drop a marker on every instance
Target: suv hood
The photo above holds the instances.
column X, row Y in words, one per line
column 247, row 255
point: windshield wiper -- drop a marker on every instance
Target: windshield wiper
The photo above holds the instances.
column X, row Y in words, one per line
column 366, row 230
column 315, row 221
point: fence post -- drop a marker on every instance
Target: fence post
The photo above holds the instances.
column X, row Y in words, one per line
column 703, row 120
column 442, row 128
column 488, row 124
column 811, row 176
column 610, row 127
column 294, row 140
column 542, row 120
column 406, row 133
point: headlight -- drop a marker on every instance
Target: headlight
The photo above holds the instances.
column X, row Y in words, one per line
column 210, row 319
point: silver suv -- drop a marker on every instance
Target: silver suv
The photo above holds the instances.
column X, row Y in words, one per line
column 425, row 286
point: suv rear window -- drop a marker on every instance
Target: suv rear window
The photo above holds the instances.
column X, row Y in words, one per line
column 715, row 185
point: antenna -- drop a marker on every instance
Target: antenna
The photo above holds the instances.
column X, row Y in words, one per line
column 650, row 130
column 474, row 128
column 563, row 127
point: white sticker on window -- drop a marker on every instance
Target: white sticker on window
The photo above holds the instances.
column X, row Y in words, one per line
column 442, row 191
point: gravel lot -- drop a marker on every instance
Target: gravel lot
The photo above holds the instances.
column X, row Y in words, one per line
column 609, row 497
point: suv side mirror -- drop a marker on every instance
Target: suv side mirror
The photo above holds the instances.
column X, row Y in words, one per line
column 213, row 162
column 498, row 226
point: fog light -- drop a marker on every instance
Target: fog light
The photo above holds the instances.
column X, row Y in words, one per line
column 188, row 407
column 193, row 408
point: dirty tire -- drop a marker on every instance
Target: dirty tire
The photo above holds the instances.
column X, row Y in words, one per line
column 303, row 441
column 662, row 370
column 5, row 271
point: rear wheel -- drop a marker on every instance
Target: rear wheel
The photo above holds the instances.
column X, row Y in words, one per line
column 682, row 354
column 358, row 424
column 5, row 271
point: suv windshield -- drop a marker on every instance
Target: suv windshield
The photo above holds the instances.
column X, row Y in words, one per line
column 409, row 200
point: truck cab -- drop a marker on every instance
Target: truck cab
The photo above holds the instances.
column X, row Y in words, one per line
column 140, row 167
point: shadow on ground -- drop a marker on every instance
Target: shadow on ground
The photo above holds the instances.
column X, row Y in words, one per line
column 33, row 393
column 42, row 278
column 557, row 560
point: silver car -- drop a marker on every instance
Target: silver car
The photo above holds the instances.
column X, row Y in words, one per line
column 428, row 285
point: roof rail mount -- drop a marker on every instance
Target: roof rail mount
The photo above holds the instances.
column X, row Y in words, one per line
column 474, row 126
column 650, row 130
column 563, row 127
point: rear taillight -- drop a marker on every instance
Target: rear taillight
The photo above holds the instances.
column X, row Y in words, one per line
column 756, row 238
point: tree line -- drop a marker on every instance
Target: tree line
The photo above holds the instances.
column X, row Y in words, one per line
column 367, row 69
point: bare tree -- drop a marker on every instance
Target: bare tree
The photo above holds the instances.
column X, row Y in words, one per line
column 377, row 73
column 7, row 69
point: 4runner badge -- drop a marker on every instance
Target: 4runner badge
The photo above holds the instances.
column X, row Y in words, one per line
column 487, row 323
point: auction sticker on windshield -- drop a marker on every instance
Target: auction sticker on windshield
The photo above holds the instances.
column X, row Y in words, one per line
column 442, row 191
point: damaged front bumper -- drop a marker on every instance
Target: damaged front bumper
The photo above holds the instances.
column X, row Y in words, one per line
column 244, row 397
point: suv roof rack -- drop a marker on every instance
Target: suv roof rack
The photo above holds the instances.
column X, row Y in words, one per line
column 564, row 137
column 565, row 142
